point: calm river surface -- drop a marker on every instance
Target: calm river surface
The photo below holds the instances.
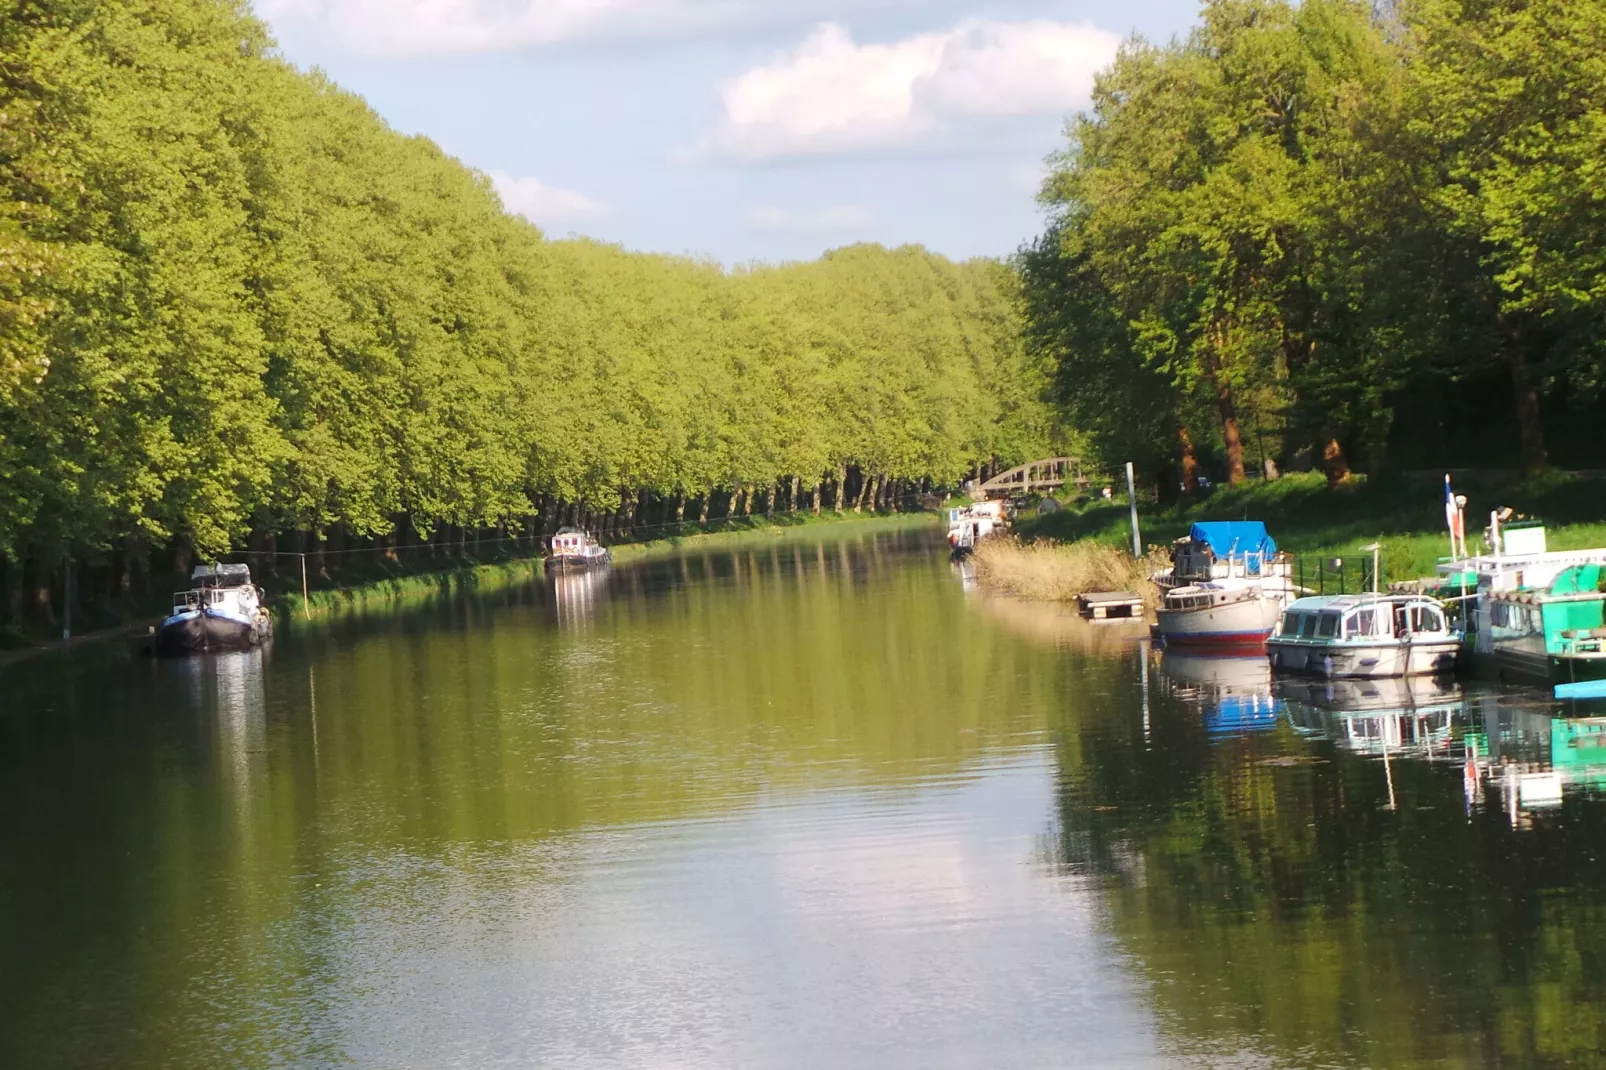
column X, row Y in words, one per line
column 797, row 803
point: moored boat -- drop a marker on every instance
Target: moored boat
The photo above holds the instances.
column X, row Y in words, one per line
column 1217, row 617
column 1531, row 614
column 969, row 524
column 1555, row 635
column 222, row 611
column 1367, row 635
column 576, row 549
column 1225, row 589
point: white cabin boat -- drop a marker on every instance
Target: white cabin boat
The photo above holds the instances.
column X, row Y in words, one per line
column 1225, row 589
column 576, row 549
column 1364, row 635
column 969, row 524
column 223, row 610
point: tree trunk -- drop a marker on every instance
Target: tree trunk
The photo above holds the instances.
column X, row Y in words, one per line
column 1231, row 434
column 702, row 508
column 818, row 487
column 841, row 486
column 1334, row 463
column 1530, row 427
column 680, row 507
column 1190, row 461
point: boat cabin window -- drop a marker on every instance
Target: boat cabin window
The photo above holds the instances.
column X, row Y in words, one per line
column 1418, row 617
column 1307, row 625
column 1361, row 621
column 1327, row 625
column 1290, row 626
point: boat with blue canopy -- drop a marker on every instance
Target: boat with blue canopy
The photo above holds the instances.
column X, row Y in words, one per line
column 1226, row 587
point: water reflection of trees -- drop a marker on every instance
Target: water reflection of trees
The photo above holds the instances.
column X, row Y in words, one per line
column 1277, row 905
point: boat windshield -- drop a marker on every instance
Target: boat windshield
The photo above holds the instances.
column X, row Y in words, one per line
column 1327, row 625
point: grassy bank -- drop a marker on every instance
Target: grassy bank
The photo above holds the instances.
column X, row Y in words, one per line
column 1313, row 520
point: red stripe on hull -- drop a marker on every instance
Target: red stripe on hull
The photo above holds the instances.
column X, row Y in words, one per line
column 1234, row 642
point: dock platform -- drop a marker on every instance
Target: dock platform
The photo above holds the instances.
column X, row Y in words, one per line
column 1110, row 605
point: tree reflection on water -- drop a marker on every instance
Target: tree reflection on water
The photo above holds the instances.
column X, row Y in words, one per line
column 1383, row 873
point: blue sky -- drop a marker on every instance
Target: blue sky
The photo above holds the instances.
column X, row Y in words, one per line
column 737, row 129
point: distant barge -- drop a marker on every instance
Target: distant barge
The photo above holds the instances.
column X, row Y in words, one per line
column 222, row 611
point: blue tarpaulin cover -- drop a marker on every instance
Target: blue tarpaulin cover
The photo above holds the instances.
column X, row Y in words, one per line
column 1233, row 537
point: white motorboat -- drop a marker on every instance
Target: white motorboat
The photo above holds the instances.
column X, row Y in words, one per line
column 575, row 549
column 1225, row 589
column 969, row 524
column 1364, row 635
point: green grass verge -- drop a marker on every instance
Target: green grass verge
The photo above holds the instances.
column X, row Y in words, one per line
column 1311, row 519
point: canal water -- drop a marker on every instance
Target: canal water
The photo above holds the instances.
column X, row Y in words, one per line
column 810, row 802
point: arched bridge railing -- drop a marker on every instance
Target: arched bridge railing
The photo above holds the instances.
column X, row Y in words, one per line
column 1049, row 473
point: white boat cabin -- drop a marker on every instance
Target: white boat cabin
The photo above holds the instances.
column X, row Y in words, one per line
column 222, row 589
column 1361, row 617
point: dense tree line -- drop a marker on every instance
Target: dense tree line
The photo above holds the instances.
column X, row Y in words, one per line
column 1363, row 234
column 235, row 307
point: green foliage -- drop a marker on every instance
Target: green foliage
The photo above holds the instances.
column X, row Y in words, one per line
column 234, row 303
column 1308, row 219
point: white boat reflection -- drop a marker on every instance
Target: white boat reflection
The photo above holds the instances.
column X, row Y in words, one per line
column 575, row 593
column 1234, row 694
column 230, row 691
column 1414, row 715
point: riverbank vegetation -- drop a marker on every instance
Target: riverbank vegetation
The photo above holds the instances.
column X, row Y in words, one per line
column 238, row 311
column 1056, row 572
column 1335, row 234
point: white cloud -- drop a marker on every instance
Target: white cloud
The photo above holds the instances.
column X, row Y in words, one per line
column 545, row 206
column 833, row 95
column 771, row 220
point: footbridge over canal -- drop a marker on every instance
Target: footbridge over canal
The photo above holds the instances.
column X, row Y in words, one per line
column 1049, row 473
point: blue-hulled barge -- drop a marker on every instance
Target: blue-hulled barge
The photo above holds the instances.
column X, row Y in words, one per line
column 222, row 611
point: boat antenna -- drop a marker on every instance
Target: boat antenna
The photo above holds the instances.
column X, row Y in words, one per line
column 1377, row 552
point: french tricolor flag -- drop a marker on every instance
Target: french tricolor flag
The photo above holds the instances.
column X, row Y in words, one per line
column 1452, row 516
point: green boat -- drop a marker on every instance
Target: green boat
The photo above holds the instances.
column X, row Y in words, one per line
column 1553, row 635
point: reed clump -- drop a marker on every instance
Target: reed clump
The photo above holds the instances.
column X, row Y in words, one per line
column 1058, row 572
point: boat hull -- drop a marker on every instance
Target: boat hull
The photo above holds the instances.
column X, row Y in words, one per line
column 201, row 632
column 1364, row 660
column 1237, row 627
column 575, row 562
column 1514, row 664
